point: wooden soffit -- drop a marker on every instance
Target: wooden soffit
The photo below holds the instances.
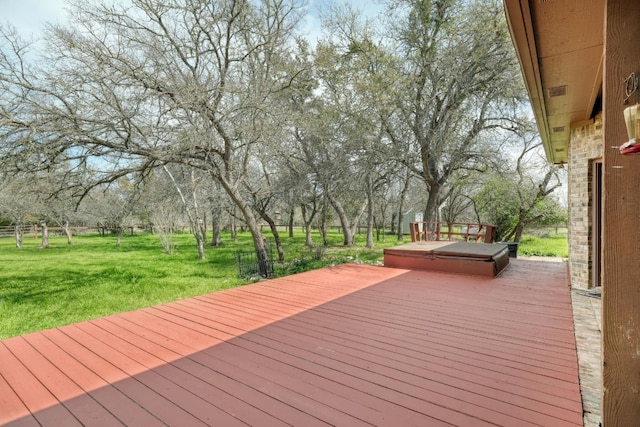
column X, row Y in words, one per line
column 559, row 44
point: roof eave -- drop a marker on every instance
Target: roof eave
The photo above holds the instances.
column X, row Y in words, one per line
column 522, row 34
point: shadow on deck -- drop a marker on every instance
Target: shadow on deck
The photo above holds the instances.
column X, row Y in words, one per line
column 350, row 345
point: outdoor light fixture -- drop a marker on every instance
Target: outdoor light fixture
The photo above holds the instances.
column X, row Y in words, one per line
column 631, row 117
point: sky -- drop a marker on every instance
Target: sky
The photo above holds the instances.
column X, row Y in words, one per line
column 29, row 16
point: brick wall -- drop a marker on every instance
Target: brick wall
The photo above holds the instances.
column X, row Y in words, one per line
column 585, row 147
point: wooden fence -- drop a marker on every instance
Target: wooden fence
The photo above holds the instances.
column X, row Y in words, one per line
column 35, row 230
column 468, row 232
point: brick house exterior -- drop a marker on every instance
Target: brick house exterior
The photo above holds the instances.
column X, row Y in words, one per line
column 585, row 149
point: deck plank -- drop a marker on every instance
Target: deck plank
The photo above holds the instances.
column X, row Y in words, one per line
column 337, row 323
column 13, row 408
column 348, row 345
column 257, row 363
column 430, row 380
column 104, row 393
column 82, row 405
column 31, row 392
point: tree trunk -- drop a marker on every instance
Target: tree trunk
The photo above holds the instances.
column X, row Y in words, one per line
column 518, row 233
column 259, row 242
column 347, row 230
column 234, row 226
column 276, row 235
column 19, row 233
column 204, row 227
column 216, row 239
column 393, row 222
column 308, row 239
column 45, row 236
column 370, row 224
column 118, row 236
column 291, row 218
column 403, row 197
column 323, row 224
column 379, row 230
column 400, row 233
column 200, row 236
column 431, row 210
column 308, row 221
column 198, row 225
column 67, row 232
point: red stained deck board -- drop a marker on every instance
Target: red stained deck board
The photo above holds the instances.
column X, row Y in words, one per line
column 429, row 380
column 280, row 403
column 530, row 349
column 13, row 408
column 433, row 368
column 493, row 293
column 102, row 392
column 315, row 404
column 218, row 389
column 332, row 370
column 365, row 321
column 398, row 316
column 531, row 357
column 437, row 352
column 286, row 375
column 82, row 405
column 139, row 389
column 254, row 393
column 448, row 327
column 350, row 345
column 486, row 351
column 317, row 383
column 377, row 380
column 35, row 396
column 497, row 317
column 236, row 372
column 144, row 366
column 363, row 349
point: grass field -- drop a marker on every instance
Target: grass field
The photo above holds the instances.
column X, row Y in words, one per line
column 549, row 243
column 41, row 289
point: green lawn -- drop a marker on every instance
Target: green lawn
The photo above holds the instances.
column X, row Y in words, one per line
column 41, row 289
column 545, row 244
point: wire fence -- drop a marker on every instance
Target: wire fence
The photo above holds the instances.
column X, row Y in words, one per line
column 255, row 263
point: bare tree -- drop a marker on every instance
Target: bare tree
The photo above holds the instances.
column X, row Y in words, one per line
column 457, row 79
column 217, row 201
column 406, row 181
column 161, row 207
column 333, row 173
column 188, row 186
column 111, row 206
column 301, row 190
column 127, row 88
column 58, row 206
column 18, row 201
column 163, row 217
column 337, row 129
column 515, row 196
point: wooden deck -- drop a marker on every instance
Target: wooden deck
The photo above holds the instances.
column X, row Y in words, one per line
column 347, row 346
